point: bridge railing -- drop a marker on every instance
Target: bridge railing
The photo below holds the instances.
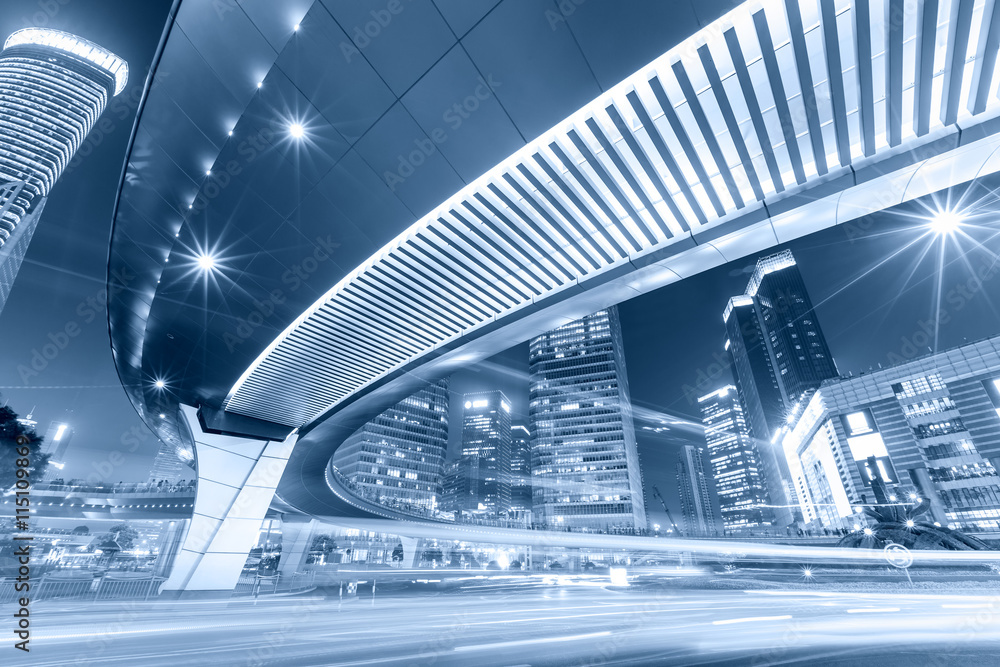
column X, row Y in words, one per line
column 99, row 588
column 254, row 585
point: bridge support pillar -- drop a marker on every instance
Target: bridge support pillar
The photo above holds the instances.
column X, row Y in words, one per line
column 169, row 547
column 296, row 535
column 411, row 550
column 237, row 477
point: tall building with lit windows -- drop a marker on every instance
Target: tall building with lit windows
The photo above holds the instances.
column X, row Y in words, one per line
column 585, row 463
column 692, row 487
column 735, row 462
column 486, row 450
column 55, row 443
column 778, row 353
column 53, row 88
column 398, row 457
column 929, row 428
column 520, row 468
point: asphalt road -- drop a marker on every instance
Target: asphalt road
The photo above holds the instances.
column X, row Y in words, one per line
column 578, row 622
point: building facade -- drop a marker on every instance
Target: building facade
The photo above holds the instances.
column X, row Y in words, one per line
column 398, row 457
column 171, row 464
column 929, row 428
column 486, row 448
column 53, row 88
column 778, row 352
column 585, row 471
column 735, row 462
column 520, row 469
column 692, row 486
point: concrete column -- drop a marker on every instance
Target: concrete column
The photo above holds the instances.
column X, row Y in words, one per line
column 296, row 536
column 237, row 477
column 170, row 545
column 411, row 552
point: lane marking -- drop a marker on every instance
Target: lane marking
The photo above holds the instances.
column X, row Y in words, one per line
column 749, row 619
column 525, row 642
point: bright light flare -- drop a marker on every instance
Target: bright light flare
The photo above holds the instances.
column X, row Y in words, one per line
column 945, row 222
column 296, row 130
column 206, row 262
column 160, row 384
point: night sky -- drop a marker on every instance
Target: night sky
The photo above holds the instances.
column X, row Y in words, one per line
column 870, row 313
column 63, row 277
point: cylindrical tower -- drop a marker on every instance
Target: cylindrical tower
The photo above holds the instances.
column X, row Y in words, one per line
column 53, row 88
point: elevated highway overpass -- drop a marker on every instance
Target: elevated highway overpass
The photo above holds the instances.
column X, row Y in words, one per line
column 292, row 258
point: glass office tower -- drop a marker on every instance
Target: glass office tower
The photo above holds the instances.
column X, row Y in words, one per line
column 520, row 469
column 398, row 457
column 692, row 486
column 735, row 462
column 585, row 464
column 778, row 353
column 53, row 88
column 486, row 443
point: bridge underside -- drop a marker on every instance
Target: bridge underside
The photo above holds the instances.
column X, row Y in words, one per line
column 749, row 131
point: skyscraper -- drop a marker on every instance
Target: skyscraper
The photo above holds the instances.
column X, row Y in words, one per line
column 735, row 461
column 399, row 455
column 57, row 439
column 53, row 88
column 778, row 352
column 486, row 446
column 55, row 444
column 585, row 462
column 692, row 485
column 520, row 469
column 171, row 463
column 460, row 485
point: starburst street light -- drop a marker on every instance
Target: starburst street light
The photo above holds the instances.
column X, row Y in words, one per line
column 296, row 130
column 945, row 222
column 206, row 262
column 160, row 384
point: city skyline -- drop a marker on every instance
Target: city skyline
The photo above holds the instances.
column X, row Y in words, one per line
column 500, row 332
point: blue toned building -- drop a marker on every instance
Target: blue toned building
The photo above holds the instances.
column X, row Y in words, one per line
column 586, row 466
column 735, row 462
column 398, row 457
column 520, row 469
column 53, row 88
column 778, row 353
column 692, row 487
column 928, row 428
column 486, row 451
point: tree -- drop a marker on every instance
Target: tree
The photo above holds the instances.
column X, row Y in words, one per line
column 322, row 546
column 126, row 535
column 14, row 436
column 81, row 530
